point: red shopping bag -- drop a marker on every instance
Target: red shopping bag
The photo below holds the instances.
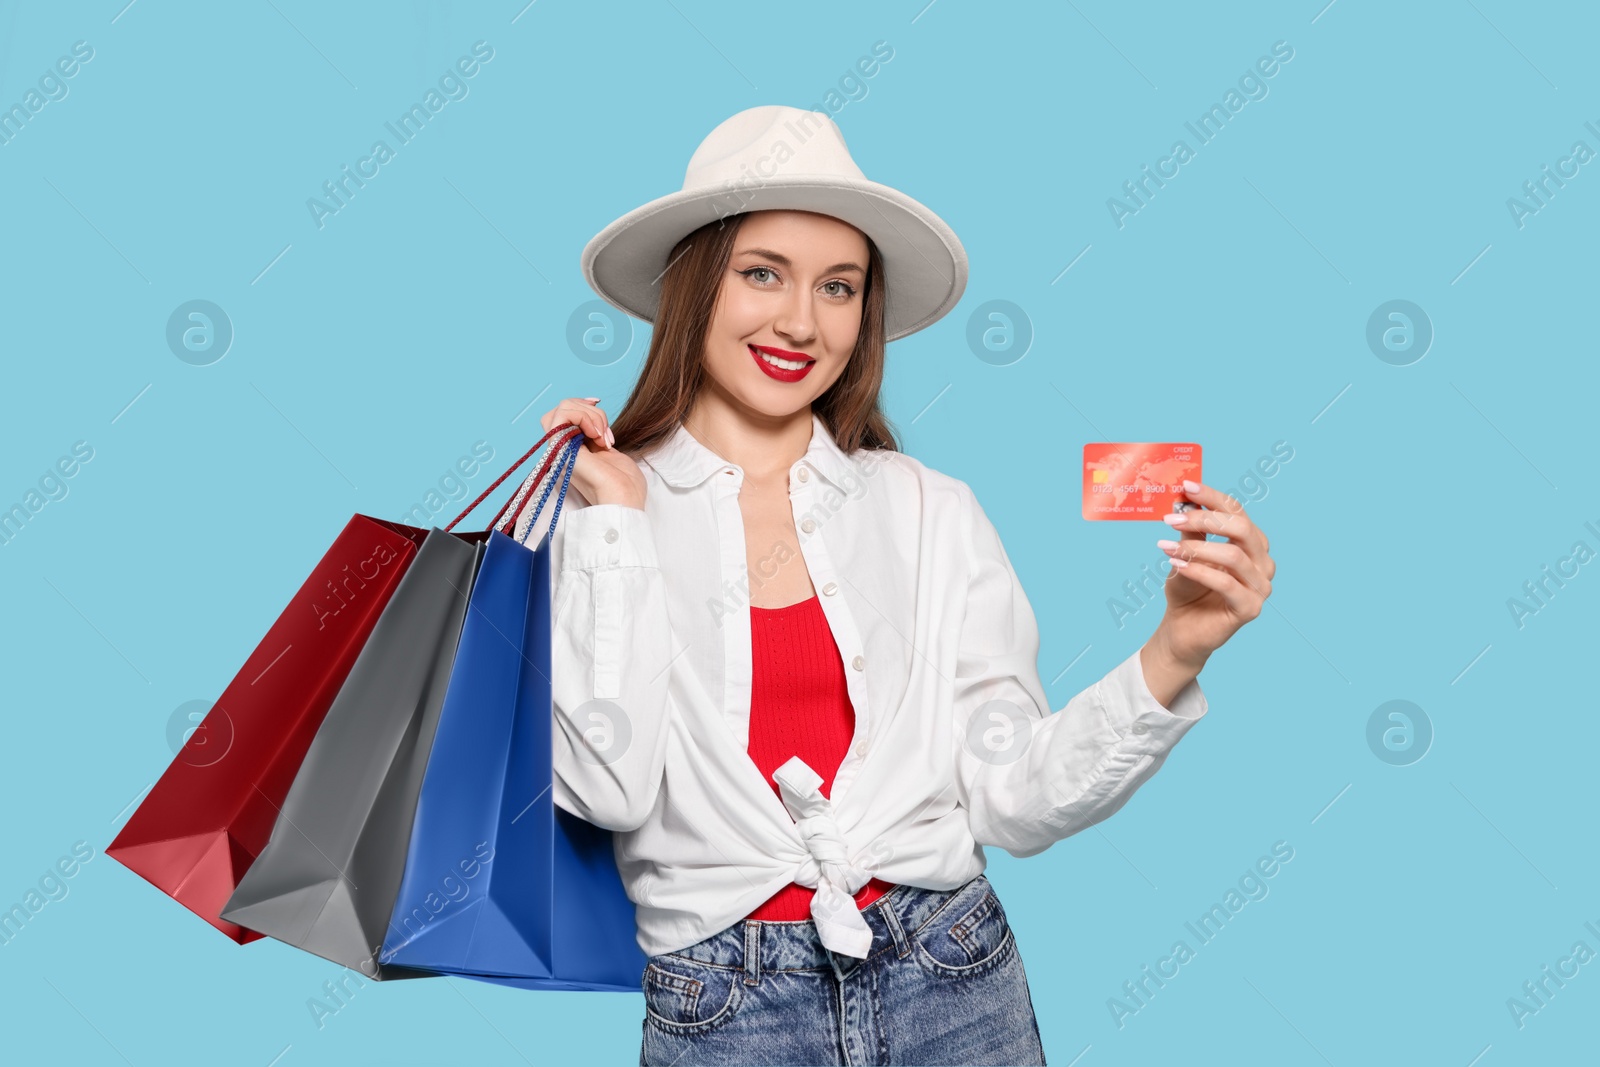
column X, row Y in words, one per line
column 212, row 811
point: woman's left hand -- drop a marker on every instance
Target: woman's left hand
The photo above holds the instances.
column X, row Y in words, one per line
column 1214, row 587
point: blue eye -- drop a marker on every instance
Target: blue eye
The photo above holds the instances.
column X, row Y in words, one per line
column 848, row 289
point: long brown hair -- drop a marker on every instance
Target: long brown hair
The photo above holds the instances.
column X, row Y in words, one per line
column 674, row 367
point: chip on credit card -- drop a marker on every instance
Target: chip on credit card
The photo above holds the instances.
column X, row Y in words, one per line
column 1140, row 480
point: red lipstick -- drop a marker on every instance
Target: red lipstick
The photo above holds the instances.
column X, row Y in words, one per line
column 782, row 374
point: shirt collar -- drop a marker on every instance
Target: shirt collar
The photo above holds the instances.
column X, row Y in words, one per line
column 683, row 461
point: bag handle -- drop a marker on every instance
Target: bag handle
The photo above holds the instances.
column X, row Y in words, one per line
column 565, row 429
column 569, row 463
column 513, row 507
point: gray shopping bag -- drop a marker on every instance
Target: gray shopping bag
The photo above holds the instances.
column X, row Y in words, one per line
column 327, row 879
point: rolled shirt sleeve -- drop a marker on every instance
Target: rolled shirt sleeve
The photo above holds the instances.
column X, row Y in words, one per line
column 1027, row 777
column 611, row 646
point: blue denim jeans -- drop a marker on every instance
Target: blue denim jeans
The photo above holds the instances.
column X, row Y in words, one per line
column 942, row 984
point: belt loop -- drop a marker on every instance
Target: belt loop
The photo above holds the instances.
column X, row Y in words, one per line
column 902, row 944
column 752, row 952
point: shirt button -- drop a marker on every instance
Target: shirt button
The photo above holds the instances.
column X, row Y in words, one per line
column 805, row 473
column 1140, row 728
column 861, row 748
column 611, row 536
column 830, row 589
column 808, row 525
column 858, row 663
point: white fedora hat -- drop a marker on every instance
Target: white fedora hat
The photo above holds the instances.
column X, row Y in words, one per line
column 770, row 158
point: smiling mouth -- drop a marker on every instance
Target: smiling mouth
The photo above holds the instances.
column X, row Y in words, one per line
column 781, row 362
column 781, row 367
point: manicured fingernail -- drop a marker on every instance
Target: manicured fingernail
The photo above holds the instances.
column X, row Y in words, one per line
column 1174, row 520
column 1190, row 487
column 611, row 438
column 1176, row 562
column 1167, row 546
column 592, row 399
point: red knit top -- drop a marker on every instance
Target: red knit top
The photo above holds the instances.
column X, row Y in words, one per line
column 799, row 706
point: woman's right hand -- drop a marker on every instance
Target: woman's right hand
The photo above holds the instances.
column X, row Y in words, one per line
column 602, row 474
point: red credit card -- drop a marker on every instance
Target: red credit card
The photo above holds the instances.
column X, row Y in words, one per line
column 1136, row 481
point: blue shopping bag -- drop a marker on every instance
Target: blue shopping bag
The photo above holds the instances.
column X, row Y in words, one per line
column 500, row 885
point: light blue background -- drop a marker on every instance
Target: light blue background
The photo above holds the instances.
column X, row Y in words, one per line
column 1231, row 310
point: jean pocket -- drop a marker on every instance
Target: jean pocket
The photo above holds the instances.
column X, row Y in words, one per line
column 968, row 935
column 685, row 997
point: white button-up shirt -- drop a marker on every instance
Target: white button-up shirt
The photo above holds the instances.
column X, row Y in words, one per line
column 955, row 745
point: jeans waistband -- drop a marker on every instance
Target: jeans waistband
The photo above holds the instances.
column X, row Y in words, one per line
column 790, row 946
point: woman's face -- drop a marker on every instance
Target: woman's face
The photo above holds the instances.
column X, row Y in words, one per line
column 794, row 284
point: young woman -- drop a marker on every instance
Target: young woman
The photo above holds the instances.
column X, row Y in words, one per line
column 793, row 667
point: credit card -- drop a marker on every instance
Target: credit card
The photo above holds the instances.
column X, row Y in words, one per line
column 1141, row 480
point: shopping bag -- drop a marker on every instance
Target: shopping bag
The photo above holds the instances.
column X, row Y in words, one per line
column 326, row 879
column 211, row 812
column 499, row 883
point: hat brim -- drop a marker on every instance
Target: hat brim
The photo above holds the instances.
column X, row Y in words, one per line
column 924, row 260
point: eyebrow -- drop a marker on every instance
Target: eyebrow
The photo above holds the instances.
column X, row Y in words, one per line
column 784, row 261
